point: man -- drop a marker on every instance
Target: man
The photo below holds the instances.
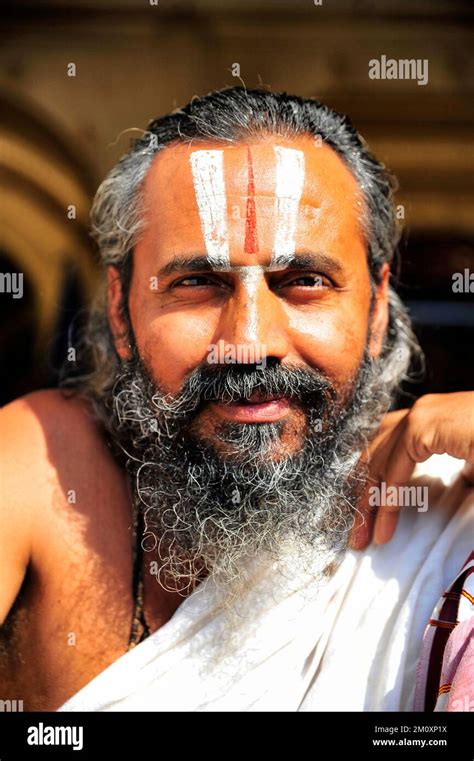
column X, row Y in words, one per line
column 175, row 532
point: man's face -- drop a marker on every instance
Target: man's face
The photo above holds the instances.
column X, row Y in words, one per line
column 280, row 272
column 251, row 392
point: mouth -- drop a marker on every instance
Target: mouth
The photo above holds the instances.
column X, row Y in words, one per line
column 258, row 408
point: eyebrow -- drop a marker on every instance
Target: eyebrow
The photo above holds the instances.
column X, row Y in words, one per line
column 300, row 261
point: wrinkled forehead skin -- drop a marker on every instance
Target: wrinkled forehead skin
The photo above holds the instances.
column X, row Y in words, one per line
column 251, row 204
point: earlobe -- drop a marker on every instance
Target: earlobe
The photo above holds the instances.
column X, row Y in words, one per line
column 118, row 324
column 380, row 313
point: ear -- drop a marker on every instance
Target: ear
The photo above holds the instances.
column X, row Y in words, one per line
column 380, row 313
column 118, row 324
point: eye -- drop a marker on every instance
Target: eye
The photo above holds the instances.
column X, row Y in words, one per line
column 193, row 281
column 310, row 280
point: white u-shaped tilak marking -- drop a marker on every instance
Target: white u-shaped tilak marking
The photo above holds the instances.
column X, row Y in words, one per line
column 289, row 187
column 209, row 187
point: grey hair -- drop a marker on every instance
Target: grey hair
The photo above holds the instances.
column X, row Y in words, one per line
column 231, row 116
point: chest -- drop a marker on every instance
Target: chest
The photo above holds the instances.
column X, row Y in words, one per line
column 73, row 615
column 62, row 632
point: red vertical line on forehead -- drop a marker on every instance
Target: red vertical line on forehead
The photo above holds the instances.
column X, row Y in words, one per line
column 251, row 243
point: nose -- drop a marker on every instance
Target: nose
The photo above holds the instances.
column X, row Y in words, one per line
column 254, row 319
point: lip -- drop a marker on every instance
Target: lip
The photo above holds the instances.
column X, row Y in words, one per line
column 253, row 411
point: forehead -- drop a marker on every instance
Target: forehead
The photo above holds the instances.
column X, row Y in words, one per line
column 281, row 176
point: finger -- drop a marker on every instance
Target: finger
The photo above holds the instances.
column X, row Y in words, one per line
column 388, row 425
column 402, row 464
column 392, row 419
column 399, row 471
column 385, row 525
column 468, row 472
column 375, row 458
column 361, row 534
column 369, row 505
column 362, row 530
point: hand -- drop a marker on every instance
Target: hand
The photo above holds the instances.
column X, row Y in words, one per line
column 436, row 424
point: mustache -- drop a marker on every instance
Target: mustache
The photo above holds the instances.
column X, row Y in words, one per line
column 233, row 383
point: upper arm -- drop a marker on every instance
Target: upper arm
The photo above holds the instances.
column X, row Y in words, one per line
column 49, row 446
column 15, row 523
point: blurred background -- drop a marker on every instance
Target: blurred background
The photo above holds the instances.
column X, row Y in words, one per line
column 133, row 60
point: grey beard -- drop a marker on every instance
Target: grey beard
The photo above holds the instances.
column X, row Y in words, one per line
column 208, row 511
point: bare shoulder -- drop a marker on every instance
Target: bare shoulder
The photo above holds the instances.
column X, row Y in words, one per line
column 46, row 436
column 53, row 449
column 32, row 430
column 45, row 414
column 57, row 474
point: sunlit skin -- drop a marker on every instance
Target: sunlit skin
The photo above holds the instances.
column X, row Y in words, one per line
column 311, row 314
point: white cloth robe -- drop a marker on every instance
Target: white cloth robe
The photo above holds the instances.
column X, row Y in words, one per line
column 350, row 643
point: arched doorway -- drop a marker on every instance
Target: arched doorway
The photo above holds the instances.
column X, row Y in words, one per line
column 46, row 187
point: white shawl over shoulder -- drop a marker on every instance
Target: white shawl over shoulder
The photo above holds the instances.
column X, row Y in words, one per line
column 347, row 642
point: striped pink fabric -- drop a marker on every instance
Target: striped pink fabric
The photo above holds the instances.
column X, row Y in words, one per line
column 445, row 671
